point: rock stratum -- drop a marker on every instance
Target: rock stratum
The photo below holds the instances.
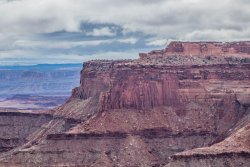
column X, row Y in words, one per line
column 186, row 105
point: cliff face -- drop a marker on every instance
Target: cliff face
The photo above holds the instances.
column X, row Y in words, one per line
column 141, row 112
column 139, row 86
column 187, row 95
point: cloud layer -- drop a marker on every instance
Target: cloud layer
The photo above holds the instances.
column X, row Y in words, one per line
column 84, row 29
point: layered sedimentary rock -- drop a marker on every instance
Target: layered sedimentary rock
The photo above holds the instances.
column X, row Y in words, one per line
column 15, row 127
column 142, row 112
column 233, row 151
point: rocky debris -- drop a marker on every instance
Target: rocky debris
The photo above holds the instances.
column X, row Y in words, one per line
column 142, row 112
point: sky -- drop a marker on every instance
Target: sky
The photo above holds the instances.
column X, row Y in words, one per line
column 74, row 31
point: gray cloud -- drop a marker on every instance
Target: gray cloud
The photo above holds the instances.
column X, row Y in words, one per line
column 184, row 16
column 162, row 20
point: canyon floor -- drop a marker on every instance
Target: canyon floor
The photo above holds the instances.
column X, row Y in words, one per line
column 183, row 106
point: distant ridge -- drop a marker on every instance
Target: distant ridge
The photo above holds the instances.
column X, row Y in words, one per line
column 41, row 66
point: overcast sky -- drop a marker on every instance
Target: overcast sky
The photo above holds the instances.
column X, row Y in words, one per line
column 73, row 31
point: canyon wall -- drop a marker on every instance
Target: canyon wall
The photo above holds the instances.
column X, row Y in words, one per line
column 142, row 112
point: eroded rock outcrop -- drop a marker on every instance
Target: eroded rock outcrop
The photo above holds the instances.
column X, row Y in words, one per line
column 201, row 49
column 233, row 151
column 142, row 112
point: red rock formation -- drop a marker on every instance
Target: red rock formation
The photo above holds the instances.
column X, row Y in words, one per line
column 161, row 104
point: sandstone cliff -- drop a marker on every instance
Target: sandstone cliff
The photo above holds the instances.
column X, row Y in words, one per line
column 142, row 112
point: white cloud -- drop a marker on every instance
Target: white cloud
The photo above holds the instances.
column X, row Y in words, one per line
column 104, row 31
column 130, row 40
column 58, row 44
column 224, row 35
column 28, row 44
column 157, row 42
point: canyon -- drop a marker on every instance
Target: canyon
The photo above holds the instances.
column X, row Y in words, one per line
column 185, row 105
column 37, row 87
